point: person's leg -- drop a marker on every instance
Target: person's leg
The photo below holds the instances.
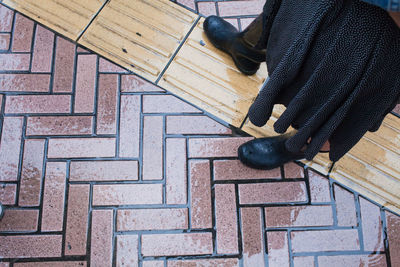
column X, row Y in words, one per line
column 242, row 46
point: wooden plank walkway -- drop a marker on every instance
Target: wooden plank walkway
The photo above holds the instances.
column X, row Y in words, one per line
column 171, row 50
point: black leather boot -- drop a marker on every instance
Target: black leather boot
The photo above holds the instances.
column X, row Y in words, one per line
column 267, row 153
column 242, row 46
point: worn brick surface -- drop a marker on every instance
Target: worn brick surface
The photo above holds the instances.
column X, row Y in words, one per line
column 59, row 125
column 32, row 170
column 19, row 221
column 24, row 82
column 10, row 146
column 107, row 104
column 177, row 244
column 54, row 196
column 42, row 50
column 77, row 220
column 101, row 238
column 85, row 83
column 176, row 171
column 99, row 167
column 38, row 104
column 325, row 240
column 226, row 219
column 298, row 216
column 152, row 219
column 23, row 31
column 103, row 171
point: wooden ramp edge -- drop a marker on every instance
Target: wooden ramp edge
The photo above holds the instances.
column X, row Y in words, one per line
column 171, row 50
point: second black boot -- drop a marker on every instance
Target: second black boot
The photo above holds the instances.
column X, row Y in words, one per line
column 242, row 46
column 267, row 153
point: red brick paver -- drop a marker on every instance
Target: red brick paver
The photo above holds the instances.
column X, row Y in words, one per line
column 99, row 167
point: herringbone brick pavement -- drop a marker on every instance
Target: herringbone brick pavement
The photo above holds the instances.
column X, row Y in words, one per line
column 99, row 167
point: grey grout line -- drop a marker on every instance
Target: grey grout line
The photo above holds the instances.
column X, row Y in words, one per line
column 177, row 50
column 91, row 21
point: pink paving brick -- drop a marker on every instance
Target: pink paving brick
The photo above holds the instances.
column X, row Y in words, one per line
column 353, row 260
column 38, row 104
column 85, row 84
column 4, row 264
column 319, row 188
column 127, row 194
column 200, row 194
column 293, row 170
column 325, row 240
column 397, row 109
column 14, row 62
column 207, row 8
column 152, row 263
column 127, row 250
column 245, row 22
column 166, row 104
column 278, row 249
column 345, row 207
column 24, row 82
column 31, row 176
column 177, row 244
column 129, row 131
column 103, row 171
column 59, row 125
column 23, row 32
column 303, row 261
column 54, row 196
column 276, row 192
column 393, row 236
column 63, row 66
column 371, row 226
column 226, row 219
column 152, row 219
column 6, row 16
column 107, row 104
column 8, row 194
column 133, row 83
column 252, row 237
column 4, row 41
column 152, row 148
column 239, row 8
column 187, row 3
column 298, row 216
column 10, row 146
column 52, row 264
column 234, row 22
column 81, row 147
column 235, row 170
column 204, row 262
column 107, row 66
column 101, row 238
column 81, row 49
column 194, row 125
column 77, row 220
column 30, row 246
column 42, row 50
column 176, row 171
column 19, row 221
column 215, row 147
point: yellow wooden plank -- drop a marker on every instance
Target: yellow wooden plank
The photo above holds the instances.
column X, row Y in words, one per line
column 68, row 18
column 208, row 78
column 140, row 35
column 368, row 180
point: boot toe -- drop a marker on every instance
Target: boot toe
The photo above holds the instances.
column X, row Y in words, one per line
column 266, row 153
